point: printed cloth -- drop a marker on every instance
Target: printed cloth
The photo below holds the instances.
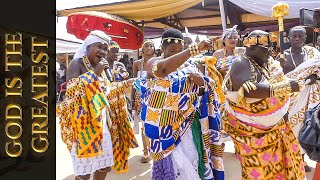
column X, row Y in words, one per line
column 165, row 126
column 122, row 135
column 265, row 144
column 80, row 115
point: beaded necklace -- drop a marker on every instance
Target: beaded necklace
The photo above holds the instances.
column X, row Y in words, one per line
column 264, row 71
column 89, row 67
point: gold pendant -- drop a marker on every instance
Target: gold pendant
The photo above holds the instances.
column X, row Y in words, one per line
column 175, row 106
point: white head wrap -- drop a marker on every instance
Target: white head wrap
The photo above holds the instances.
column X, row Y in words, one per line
column 94, row 37
column 229, row 31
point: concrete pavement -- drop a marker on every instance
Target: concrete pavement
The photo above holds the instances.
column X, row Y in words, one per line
column 140, row 171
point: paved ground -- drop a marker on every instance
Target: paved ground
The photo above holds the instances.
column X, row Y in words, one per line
column 139, row 171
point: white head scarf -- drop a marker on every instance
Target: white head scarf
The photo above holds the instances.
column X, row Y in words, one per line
column 229, row 31
column 94, row 37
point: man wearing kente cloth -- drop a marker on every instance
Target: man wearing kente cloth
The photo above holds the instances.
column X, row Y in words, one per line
column 84, row 114
column 117, row 71
column 257, row 102
column 120, row 117
column 301, row 62
column 180, row 114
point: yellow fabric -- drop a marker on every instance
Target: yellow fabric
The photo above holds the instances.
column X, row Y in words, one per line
column 141, row 10
column 216, row 76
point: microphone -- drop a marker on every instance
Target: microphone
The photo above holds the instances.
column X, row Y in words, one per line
column 107, row 70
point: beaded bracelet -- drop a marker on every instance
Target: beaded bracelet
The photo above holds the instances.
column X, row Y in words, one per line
column 194, row 50
column 280, row 89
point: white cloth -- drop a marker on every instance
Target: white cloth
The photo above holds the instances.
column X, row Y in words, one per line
column 185, row 159
column 61, row 73
column 84, row 166
column 265, row 120
column 94, row 37
column 264, row 8
column 302, row 99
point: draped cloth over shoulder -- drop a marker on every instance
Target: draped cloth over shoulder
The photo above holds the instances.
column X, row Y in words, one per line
column 121, row 132
column 309, row 96
column 265, row 144
column 166, row 127
column 80, row 115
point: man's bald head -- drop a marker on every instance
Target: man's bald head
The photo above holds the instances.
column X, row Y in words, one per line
column 297, row 36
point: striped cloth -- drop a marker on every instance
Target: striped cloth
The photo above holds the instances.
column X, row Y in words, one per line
column 165, row 127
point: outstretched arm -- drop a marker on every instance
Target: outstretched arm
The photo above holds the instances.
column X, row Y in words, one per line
column 170, row 64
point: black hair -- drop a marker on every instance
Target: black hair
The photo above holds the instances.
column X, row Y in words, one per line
column 171, row 33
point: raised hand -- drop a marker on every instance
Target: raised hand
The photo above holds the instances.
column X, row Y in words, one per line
column 103, row 64
column 205, row 45
column 196, row 79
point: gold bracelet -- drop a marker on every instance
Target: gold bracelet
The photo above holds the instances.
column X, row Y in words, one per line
column 194, row 50
column 154, row 68
column 191, row 51
column 281, row 89
column 248, row 86
column 271, row 90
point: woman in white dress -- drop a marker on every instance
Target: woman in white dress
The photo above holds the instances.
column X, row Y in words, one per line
column 86, row 132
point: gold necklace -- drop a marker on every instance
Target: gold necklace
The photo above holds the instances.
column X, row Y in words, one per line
column 89, row 67
column 262, row 70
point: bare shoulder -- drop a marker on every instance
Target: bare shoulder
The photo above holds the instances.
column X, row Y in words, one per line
column 75, row 63
column 74, row 69
column 239, row 65
column 240, row 72
column 218, row 53
column 137, row 62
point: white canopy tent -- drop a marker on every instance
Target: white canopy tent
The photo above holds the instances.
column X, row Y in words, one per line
column 264, row 7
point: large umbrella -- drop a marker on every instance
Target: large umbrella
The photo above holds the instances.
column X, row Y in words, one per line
column 122, row 31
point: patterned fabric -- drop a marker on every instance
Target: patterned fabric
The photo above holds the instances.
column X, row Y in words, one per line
column 165, row 127
column 271, row 153
column 309, row 96
column 214, row 74
column 265, row 144
column 80, row 115
column 121, row 132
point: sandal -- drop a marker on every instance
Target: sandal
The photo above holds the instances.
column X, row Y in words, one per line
column 145, row 159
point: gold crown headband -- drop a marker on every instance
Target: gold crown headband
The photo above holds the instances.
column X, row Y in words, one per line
column 259, row 40
column 169, row 39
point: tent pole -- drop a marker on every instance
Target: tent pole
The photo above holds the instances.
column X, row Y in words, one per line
column 142, row 34
column 223, row 15
column 67, row 64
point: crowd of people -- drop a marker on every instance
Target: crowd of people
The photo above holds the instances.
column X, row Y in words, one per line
column 190, row 103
